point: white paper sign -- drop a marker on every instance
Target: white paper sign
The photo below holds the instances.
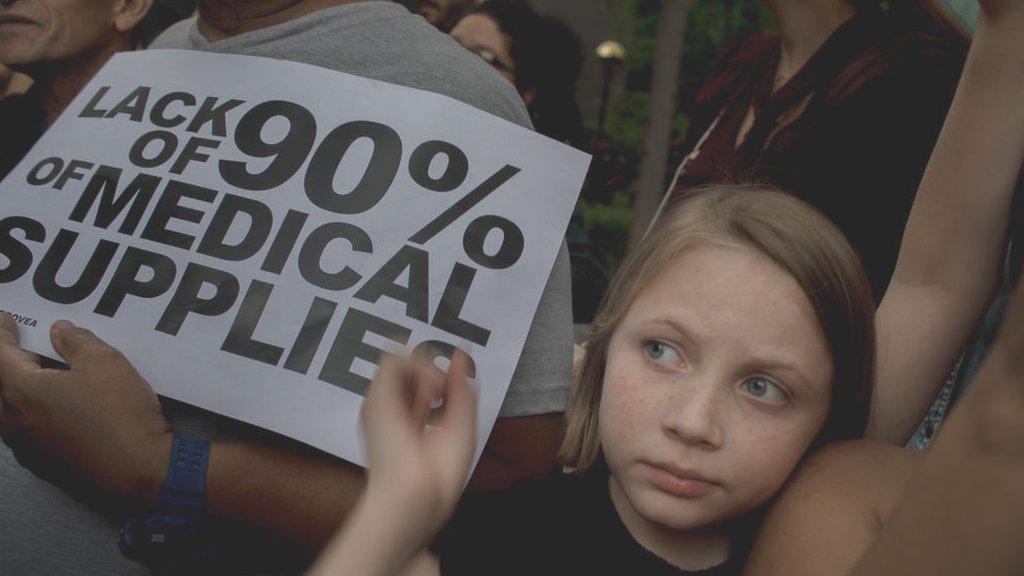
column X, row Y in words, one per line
column 252, row 232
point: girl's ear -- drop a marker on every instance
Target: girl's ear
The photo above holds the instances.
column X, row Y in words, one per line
column 129, row 13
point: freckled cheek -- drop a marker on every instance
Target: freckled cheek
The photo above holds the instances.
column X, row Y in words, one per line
column 628, row 405
column 764, row 456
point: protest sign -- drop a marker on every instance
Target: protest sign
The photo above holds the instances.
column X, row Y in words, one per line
column 252, row 246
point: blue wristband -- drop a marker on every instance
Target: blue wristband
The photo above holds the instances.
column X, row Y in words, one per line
column 184, row 483
column 173, row 533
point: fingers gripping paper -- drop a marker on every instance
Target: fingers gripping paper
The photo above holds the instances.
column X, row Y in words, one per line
column 252, row 246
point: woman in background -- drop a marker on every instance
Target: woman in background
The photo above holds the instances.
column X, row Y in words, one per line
column 542, row 58
column 841, row 108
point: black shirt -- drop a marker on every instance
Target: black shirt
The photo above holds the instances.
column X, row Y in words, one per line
column 22, row 122
column 562, row 525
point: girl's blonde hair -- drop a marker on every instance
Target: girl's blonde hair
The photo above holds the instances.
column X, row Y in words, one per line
column 797, row 238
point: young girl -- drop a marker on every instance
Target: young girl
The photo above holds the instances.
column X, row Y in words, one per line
column 735, row 339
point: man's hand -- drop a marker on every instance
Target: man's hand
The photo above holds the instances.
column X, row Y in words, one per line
column 99, row 421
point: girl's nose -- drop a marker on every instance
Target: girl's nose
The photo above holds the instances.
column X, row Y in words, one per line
column 692, row 417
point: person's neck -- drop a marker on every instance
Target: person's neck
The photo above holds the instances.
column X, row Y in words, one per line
column 57, row 86
column 690, row 550
column 804, row 25
column 220, row 19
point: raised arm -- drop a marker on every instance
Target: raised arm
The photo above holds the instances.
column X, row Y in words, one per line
column 953, row 246
column 963, row 510
column 867, row 509
column 863, row 510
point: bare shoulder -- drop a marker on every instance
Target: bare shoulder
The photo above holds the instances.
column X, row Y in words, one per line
column 423, row 564
column 863, row 461
column 829, row 512
column 862, row 473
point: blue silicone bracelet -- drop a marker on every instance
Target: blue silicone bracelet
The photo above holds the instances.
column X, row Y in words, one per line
column 187, row 469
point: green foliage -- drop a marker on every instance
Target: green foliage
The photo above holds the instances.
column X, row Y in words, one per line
column 627, row 123
column 608, row 226
column 711, row 24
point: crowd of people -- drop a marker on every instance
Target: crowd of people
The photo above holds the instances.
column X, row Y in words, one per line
column 837, row 231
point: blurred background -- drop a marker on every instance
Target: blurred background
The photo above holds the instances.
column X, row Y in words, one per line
column 614, row 91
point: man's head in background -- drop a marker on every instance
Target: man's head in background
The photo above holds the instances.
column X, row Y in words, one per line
column 47, row 38
column 443, row 14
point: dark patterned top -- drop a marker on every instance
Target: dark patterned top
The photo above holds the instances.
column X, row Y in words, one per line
column 850, row 133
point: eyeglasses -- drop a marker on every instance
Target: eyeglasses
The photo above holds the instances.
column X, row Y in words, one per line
column 492, row 59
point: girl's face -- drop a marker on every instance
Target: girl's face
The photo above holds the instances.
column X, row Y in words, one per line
column 717, row 380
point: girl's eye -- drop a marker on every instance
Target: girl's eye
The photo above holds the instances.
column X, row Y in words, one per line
column 765, row 391
column 659, row 351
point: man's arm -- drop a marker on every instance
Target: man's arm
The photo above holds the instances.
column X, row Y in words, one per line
column 295, row 497
column 304, row 499
column 100, row 423
column 518, row 448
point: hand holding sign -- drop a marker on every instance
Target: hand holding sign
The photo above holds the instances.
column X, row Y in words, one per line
column 99, row 420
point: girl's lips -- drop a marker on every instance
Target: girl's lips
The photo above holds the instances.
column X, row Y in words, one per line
column 681, row 483
column 14, row 19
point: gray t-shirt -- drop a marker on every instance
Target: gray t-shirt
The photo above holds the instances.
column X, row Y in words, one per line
column 383, row 41
column 43, row 529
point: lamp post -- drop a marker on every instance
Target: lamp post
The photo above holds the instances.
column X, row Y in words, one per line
column 611, row 55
